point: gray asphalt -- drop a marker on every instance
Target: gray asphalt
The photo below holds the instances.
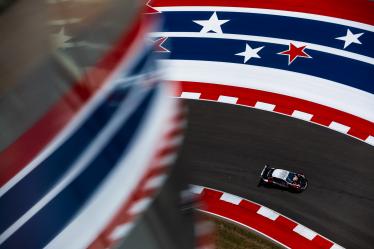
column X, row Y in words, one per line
column 227, row 146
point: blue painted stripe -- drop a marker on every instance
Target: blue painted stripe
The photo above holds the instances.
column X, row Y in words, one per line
column 339, row 69
column 145, row 64
column 49, row 221
column 283, row 27
column 37, row 183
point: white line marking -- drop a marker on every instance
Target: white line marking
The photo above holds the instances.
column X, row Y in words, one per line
column 264, row 106
column 285, row 13
column 227, row 99
column 336, row 246
column 121, row 230
column 61, row 22
column 140, row 206
column 189, row 95
column 231, row 198
column 370, row 140
column 302, row 86
column 196, row 189
column 305, row 232
column 174, row 142
column 268, row 213
column 302, row 115
column 155, row 182
column 321, row 48
column 167, row 159
column 339, row 127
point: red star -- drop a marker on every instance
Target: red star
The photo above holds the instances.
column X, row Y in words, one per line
column 149, row 9
column 293, row 52
column 158, row 45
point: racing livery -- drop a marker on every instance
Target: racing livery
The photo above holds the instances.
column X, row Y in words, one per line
column 283, row 178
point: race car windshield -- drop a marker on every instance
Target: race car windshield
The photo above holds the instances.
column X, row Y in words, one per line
column 292, row 178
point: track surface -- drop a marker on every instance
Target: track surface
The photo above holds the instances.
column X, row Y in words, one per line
column 226, row 148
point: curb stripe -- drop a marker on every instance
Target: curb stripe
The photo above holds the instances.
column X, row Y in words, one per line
column 123, row 221
column 302, row 115
column 268, row 213
column 264, row 106
column 276, row 226
column 227, row 99
column 345, row 123
column 304, row 231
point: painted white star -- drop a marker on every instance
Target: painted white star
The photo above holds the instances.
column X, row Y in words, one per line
column 213, row 24
column 350, row 38
column 250, row 52
column 60, row 40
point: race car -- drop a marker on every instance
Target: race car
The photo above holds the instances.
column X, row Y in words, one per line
column 283, row 178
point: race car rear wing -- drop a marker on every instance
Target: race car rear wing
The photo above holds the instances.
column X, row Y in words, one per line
column 264, row 171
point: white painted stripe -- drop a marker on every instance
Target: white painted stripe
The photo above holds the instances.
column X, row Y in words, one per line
column 268, row 213
column 174, row 142
column 370, row 140
column 121, row 231
column 318, row 90
column 316, row 47
column 264, row 106
column 179, row 124
column 139, row 206
column 196, row 189
column 120, row 183
column 95, row 147
column 61, row 22
column 231, row 198
column 167, row 160
column 227, row 99
column 305, row 232
column 336, row 246
column 339, row 127
column 189, row 95
column 285, row 13
column 155, row 182
column 302, row 115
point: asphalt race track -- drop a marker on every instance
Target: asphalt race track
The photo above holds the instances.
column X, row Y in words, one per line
column 226, row 148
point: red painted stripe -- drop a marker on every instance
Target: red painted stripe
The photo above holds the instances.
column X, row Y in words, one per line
column 324, row 115
column 355, row 10
column 15, row 157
